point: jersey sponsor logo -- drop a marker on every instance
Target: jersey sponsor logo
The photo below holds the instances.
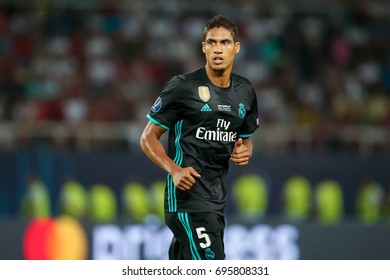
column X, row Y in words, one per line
column 204, row 93
column 157, row 105
column 205, row 108
column 221, row 133
column 241, row 111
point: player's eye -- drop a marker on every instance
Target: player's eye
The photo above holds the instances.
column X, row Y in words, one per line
column 225, row 42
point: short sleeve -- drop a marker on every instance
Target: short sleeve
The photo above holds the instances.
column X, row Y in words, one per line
column 166, row 108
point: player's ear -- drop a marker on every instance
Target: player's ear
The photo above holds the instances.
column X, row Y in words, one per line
column 203, row 50
column 237, row 47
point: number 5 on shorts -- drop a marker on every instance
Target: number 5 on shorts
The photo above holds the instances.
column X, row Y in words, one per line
column 201, row 232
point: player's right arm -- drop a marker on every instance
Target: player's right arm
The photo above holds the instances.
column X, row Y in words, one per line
column 183, row 178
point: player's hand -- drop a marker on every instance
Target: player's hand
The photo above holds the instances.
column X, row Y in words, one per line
column 184, row 178
column 240, row 155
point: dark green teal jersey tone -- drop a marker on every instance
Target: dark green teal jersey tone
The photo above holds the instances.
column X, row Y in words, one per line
column 204, row 121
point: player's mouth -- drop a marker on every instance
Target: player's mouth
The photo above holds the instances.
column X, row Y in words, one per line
column 218, row 60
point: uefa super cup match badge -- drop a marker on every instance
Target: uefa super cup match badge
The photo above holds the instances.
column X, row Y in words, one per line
column 157, row 105
column 204, row 93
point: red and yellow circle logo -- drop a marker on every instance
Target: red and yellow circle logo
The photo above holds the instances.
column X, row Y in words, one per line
column 62, row 238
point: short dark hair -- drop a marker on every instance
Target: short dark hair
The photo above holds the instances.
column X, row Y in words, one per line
column 221, row 21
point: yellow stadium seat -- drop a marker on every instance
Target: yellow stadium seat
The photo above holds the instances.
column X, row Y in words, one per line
column 136, row 201
column 102, row 204
column 250, row 196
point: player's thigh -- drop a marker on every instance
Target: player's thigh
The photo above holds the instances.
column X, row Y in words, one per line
column 200, row 234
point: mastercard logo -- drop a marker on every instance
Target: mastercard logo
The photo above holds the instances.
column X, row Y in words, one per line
column 62, row 238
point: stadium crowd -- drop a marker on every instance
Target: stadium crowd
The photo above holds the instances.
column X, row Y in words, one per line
column 108, row 63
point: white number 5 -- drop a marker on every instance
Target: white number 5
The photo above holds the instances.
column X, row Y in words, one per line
column 200, row 231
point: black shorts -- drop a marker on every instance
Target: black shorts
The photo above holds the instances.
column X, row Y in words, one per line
column 197, row 236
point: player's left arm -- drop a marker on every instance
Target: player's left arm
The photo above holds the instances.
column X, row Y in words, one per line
column 242, row 151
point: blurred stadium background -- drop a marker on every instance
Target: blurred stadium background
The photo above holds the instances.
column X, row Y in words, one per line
column 78, row 77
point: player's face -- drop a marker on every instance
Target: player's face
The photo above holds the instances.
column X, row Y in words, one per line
column 220, row 49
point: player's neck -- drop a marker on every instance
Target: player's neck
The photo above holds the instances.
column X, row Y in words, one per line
column 220, row 78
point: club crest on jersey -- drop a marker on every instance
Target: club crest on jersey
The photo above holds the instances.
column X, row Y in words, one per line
column 210, row 255
column 204, row 93
column 241, row 111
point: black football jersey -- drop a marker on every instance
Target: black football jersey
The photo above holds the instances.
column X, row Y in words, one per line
column 204, row 121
